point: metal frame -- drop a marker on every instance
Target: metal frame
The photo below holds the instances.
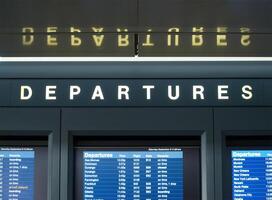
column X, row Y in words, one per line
column 205, row 69
column 24, row 122
column 236, row 122
column 90, row 122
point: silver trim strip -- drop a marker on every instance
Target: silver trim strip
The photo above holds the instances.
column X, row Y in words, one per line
column 131, row 59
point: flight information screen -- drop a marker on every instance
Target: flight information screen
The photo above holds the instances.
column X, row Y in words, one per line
column 252, row 175
column 133, row 174
column 17, row 173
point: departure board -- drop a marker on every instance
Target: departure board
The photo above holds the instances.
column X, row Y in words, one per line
column 16, row 174
column 133, row 175
column 252, row 175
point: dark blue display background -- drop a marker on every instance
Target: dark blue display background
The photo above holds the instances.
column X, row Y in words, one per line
column 17, row 174
column 252, row 175
column 133, row 175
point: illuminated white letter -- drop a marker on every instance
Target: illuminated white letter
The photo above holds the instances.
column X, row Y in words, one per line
column 74, row 90
column 247, row 92
column 123, row 91
column 24, row 89
column 50, row 92
column 148, row 90
column 98, row 93
column 222, row 92
column 198, row 90
column 170, row 92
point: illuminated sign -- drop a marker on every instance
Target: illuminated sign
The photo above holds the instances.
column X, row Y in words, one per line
column 123, row 92
column 136, row 92
column 98, row 37
column 100, row 41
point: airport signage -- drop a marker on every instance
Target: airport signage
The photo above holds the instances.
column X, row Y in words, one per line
column 100, row 41
column 135, row 92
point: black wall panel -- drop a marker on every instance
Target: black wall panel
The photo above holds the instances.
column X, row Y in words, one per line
column 242, row 123
column 136, row 122
column 30, row 125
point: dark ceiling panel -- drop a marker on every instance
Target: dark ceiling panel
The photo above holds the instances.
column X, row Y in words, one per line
column 83, row 14
column 185, row 14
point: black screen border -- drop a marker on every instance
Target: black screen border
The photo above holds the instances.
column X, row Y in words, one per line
column 139, row 122
column 237, row 123
column 141, row 142
column 228, row 167
column 35, row 127
column 239, row 140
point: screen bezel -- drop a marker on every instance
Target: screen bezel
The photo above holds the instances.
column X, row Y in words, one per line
column 239, row 143
column 141, row 122
column 39, row 126
column 99, row 143
column 236, row 122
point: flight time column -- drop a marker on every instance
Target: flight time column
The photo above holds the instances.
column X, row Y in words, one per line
column 104, row 175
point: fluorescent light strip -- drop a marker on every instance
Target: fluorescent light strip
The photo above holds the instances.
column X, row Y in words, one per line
column 130, row 59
